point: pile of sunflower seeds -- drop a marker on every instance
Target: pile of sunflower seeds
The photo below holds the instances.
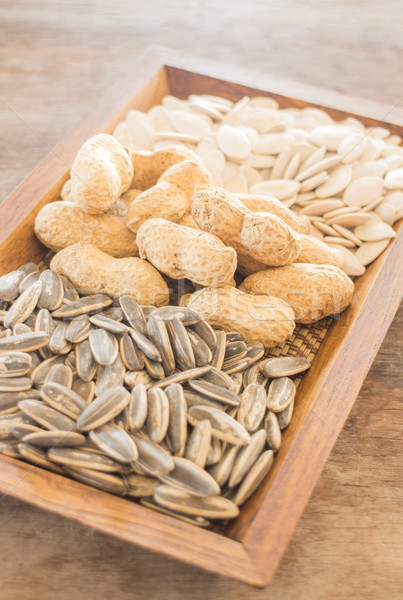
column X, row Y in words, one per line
column 148, row 403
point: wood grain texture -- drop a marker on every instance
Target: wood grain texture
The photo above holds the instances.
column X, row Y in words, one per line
column 320, row 566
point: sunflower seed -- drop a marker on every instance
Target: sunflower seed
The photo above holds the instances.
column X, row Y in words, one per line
column 152, row 460
column 131, row 355
column 181, row 345
column 247, row 457
column 159, row 335
column 78, row 329
column 50, row 439
column 144, row 344
column 60, row 374
column 236, row 367
column 23, row 307
column 237, row 383
column 110, row 376
column 217, row 377
column 140, row 486
column 214, row 391
column 133, row 378
column 40, row 372
column 255, row 477
column 273, row 432
column 15, row 364
column 234, row 336
column 235, row 350
column 47, row 417
column 133, row 313
column 29, row 280
column 177, row 426
column 58, row 342
column 222, row 469
column 183, row 314
column 8, row 422
column 284, row 366
column 137, row 409
column 15, row 384
column 206, row 332
column 28, row 268
column 20, row 328
column 215, row 452
column 69, row 290
column 63, row 399
column 37, row 457
column 78, row 457
column 9, row 449
column 9, row 285
column 115, row 442
column 105, row 408
column 155, row 369
column 198, row 444
column 199, row 521
column 280, row 395
column 223, row 426
column 105, row 322
column 182, row 376
column 85, row 389
column 9, row 401
column 45, row 323
column 20, row 430
column 211, row 507
column 219, row 349
column 284, row 417
column 85, row 361
column 187, row 476
column 52, row 290
column 255, row 351
column 104, row 346
column 84, row 305
column 202, row 353
column 157, row 415
column 253, row 407
column 196, row 399
column 98, row 479
column 254, row 375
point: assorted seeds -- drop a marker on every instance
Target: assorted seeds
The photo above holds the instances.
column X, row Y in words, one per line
column 148, row 403
column 347, row 179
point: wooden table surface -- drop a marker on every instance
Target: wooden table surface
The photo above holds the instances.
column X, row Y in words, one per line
column 56, row 58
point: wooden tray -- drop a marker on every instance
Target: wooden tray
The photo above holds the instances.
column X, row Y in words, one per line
column 252, row 546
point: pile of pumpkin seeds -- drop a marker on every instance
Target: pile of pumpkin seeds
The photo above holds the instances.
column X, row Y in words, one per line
column 148, row 403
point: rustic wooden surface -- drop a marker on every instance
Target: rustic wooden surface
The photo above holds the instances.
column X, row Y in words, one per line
column 55, row 60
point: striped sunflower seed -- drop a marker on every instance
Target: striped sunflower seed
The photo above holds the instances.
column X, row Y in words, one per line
column 280, row 395
column 196, row 399
column 78, row 329
column 235, row 350
column 217, row 377
column 255, row 351
column 85, row 361
column 247, row 457
column 234, row 336
column 198, row 443
column 9, row 285
column 206, row 332
column 51, row 439
column 215, row 391
column 219, row 349
column 85, row 389
column 152, row 460
column 20, row 430
column 8, row 422
column 138, row 406
column 223, row 426
column 254, row 375
column 236, row 366
column 105, row 408
column 58, row 343
column 210, row 507
column 202, row 353
column 20, row 328
column 145, row 345
column 28, row 268
column 9, row 401
column 187, row 476
column 255, row 477
column 182, row 376
column 222, row 469
column 40, row 372
column 98, row 479
column 133, row 378
column 133, row 312
column 284, row 366
column 154, row 369
column 177, row 426
column 45, row 323
column 198, row 521
column 182, row 313
column 115, row 442
column 132, row 358
column 159, row 335
column 38, row 457
column 83, row 305
column 215, row 452
column 63, row 399
column 284, row 417
column 52, row 293
column 69, row 290
column 140, row 486
column 26, row 342
column 60, row 374
column 181, row 344
column 78, row 457
column 105, row 322
column 237, row 383
column 273, row 432
column 15, row 384
column 46, row 416
column 15, row 364
column 104, row 346
column 253, row 407
column 23, row 307
column 29, row 280
column 157, row 420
